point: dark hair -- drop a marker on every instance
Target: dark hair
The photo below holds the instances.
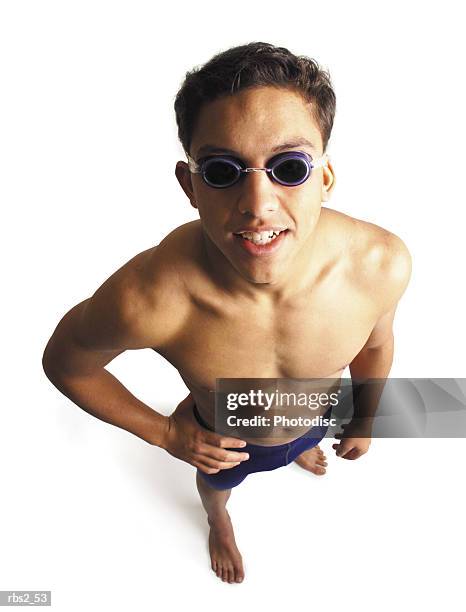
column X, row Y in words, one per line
column 252, row 65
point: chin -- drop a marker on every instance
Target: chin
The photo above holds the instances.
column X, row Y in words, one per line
column 258, row 272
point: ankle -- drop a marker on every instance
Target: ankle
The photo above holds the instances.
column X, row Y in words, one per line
column 218, row 518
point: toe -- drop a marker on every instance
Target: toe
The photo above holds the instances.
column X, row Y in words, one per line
column 239, row 572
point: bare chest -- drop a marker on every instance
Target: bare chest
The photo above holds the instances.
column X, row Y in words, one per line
column 310, row 338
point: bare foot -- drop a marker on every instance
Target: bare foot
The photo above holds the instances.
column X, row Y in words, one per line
column 313, row 460
column 224, row 554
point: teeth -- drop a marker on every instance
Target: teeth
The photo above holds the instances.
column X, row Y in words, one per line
column 260, row 237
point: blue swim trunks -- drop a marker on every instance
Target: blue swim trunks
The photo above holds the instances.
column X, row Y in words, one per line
column 262, row 458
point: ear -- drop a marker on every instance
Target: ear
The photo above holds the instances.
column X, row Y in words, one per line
column 328, row 181
column 183, row 175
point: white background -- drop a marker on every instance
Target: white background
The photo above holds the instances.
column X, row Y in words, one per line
column 88, row 149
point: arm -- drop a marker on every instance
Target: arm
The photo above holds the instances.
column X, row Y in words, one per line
column 87, row 339
column 374, row 361
column 117, row 318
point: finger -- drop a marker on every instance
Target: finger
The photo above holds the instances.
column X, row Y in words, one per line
column 341, row 449
column 224, row 442
column 219, row 465
column 354, row 453
column 345, row 451
column 206, row 469
column 221, row 454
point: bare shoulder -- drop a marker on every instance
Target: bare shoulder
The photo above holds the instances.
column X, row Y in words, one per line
column 144, row 303
column 377, row 261
column 381, row 262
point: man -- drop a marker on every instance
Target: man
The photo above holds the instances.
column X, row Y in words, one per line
column 266, row 284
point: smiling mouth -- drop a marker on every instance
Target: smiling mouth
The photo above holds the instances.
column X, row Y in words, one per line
column 260, row 238
column 261, row 244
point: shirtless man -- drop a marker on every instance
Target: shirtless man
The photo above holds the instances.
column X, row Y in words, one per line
column 218, row 301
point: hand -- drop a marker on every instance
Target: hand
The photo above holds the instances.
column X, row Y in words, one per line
column 350, row 447
column 188, row 441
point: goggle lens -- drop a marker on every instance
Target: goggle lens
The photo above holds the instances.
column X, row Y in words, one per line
column 291, row 171
column 220, row 173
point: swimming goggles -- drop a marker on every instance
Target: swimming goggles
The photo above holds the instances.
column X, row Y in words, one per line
column 289, row 169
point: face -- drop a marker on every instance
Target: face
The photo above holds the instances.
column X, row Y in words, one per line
column 253, row 126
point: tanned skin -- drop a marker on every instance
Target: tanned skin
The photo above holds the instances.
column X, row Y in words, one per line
column 326, row 298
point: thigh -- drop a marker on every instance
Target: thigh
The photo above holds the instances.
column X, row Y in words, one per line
column 225, row 479
column 261, row 459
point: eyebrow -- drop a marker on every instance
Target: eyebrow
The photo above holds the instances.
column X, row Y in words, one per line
column 290, row 144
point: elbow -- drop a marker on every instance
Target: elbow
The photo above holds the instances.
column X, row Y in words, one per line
column 48, row 364
column 47, row 367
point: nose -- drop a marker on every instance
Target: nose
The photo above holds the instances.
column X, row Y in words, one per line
column 257, row 196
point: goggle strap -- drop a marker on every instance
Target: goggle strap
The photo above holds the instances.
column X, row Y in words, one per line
column 192, row 165
column 320, row 161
